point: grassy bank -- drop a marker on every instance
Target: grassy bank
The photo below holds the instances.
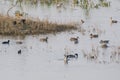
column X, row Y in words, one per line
column 15, row 27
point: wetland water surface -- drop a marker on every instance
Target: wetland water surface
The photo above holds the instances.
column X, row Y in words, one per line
column 41, row 60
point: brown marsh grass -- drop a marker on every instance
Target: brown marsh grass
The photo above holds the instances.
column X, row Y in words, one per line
column 13, row 27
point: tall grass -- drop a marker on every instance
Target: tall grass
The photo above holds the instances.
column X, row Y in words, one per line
column 12, row 26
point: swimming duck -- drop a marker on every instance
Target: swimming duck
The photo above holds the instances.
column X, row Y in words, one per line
column 93, row 35
column 59, row 5
column 6, row 42
column 82, row 21
column 19, row 51
column 44, row 39
column 74, row 39
column 104, row 41
column 104, row 46
column 113, row 21
column 68, row 56
column 19, row 42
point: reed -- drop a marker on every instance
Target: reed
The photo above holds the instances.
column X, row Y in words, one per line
column 13, row 26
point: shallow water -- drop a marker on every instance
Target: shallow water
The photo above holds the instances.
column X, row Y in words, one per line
column 41, row 60
column 68, row 14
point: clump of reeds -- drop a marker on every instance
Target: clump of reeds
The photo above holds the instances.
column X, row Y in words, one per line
column 12, row 26
column 87, row 4
column 42, row 2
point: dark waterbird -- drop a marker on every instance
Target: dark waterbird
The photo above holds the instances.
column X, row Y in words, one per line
column 19, row 51
column 93, row 35
column 14, row 22
column 23, row 21
column 104, row 41
column 76, row 42
column 6, row 42
column 68, row 56
column 82, row 21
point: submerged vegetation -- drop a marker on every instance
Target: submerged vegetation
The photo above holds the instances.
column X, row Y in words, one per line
column 86, row 5
column 12, row 26
column 82, row 3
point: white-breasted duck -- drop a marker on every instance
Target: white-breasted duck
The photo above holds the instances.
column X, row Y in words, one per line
column 69, row 56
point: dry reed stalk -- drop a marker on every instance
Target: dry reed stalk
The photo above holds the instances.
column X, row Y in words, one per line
column 12, row 26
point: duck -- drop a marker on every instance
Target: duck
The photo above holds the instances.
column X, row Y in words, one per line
column 82, row 21
column 93, row 35
column 19, row 42
column 69, row 56
column 104, row 41
column 92, row 57
column 23, row 21
column 113, row 21
column 59, row 5
column 74, row 39
column 76, row 42
column 104, row 45
column 6, row 42
column 19, row 51
column 44, row 39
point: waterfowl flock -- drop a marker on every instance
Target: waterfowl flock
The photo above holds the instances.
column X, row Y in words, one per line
column 17, row 42
column 68, row 57
column 104, row 44
column 92, row 50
